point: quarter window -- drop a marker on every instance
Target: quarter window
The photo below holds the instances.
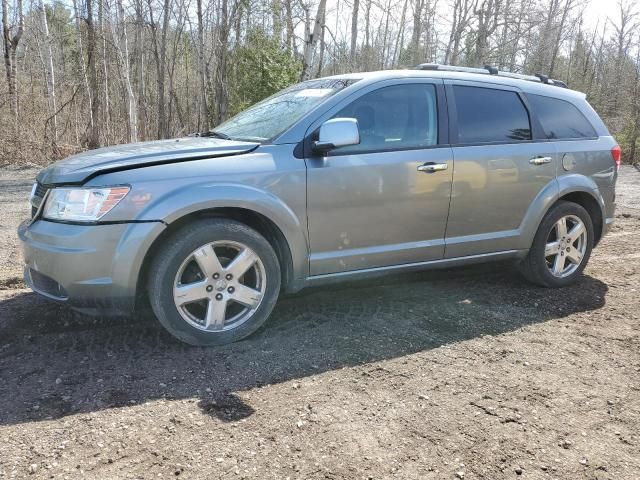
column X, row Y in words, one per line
column 488, row 115
column 394, row 118
column 560, row 119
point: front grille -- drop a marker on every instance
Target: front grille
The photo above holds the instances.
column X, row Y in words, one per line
column 40, row 190
column 38, row 194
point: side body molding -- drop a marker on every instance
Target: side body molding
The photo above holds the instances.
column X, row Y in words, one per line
column 554, row 190
column 181, row 202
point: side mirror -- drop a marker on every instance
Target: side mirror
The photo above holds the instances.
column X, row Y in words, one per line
column 337, row 132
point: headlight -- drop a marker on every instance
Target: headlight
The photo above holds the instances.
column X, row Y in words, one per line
column 82, row 204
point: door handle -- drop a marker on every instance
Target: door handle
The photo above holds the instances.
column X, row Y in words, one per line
column 432, row 167
column 540, row 160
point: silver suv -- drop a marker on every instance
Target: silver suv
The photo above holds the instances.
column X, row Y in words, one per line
column 332, row 179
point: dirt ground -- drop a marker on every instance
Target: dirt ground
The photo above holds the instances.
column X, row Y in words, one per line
column 466, row 373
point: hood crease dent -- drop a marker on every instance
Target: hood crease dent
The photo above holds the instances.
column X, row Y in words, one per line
column 79, row 168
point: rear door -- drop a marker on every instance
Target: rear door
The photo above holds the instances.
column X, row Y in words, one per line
column 502, row 162
column 385, row 201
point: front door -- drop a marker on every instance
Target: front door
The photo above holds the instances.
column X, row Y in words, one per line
column 385, row 201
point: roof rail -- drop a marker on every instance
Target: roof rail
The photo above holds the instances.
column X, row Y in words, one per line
column 490, row 70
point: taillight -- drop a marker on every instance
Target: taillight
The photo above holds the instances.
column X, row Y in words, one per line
column 616, row 154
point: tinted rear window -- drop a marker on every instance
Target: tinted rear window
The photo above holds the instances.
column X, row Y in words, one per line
column 560, row 119
column 489, row 115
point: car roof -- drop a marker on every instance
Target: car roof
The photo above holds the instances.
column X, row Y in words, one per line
column 528, row 86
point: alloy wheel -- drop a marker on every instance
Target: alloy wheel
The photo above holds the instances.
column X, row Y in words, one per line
column 566, row 246
column 219, row 286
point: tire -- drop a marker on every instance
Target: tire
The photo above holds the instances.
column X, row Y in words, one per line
column 204, row 299
column 545, row 260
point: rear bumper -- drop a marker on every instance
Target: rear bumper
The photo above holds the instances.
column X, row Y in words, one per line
column 93, row 268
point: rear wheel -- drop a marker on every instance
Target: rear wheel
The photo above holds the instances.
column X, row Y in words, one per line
column 214, row 282
column 561, row 247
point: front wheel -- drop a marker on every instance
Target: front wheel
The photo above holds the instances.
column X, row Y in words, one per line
column 214, row 282
column 561, row 247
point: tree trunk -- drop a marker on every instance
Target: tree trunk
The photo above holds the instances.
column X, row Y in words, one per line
column 354, row 34
column 202, row 68
column 10, row 47
column 122, row 49
column 487, row 13
column 634, row 134
column 322, row 47
column 291, row 34
column 94, row 128
column 81, row 64
column 367, row 24
column 50, row 75
column 140, row 78
column 311, row 40
column 276, row 19
column 560, row 31
column 160, row 53
column 223, row 41
column 400, row 36
column 417, row 32
column 105, row 74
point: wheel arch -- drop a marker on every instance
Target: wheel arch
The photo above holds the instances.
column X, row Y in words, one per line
column 575, row 188
column 590, row 204
column 256, row 220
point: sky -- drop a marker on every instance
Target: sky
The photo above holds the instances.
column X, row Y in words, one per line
column 596, row 14
column 598, row 11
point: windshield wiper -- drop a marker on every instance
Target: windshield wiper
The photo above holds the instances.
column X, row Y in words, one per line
column 212, row 133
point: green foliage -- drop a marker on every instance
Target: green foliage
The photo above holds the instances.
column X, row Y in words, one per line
column 60, row 22
column 625, row 140
column 405, row 57
column 259, row 68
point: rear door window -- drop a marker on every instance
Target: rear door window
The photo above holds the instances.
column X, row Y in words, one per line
column 560, row 119
column 487, row 115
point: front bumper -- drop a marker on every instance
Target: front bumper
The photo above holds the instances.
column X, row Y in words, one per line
column 93, row 268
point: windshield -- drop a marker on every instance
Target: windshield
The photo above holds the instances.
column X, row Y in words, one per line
column 272, row 116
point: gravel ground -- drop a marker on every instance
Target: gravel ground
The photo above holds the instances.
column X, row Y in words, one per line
column 15, row 185
column 466, row 373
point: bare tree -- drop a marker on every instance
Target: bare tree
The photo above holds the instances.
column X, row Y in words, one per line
column 487, row 14
column 10, row 47
column 634, row 130
column 311, row 40
column 354, row 32
column 460, row 22
column 121, row 70
column 121, row 45
column 81, row 62
column 291, row 36
column 623, row 31
column 418, row 7
column 94, row 128
column 223, row 47
column 202, row 65
column 160, row 54
column 49, row 73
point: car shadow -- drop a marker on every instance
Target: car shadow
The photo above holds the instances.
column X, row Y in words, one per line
column 55, row 362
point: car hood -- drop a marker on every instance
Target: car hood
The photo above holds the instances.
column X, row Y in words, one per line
column 79, row 168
